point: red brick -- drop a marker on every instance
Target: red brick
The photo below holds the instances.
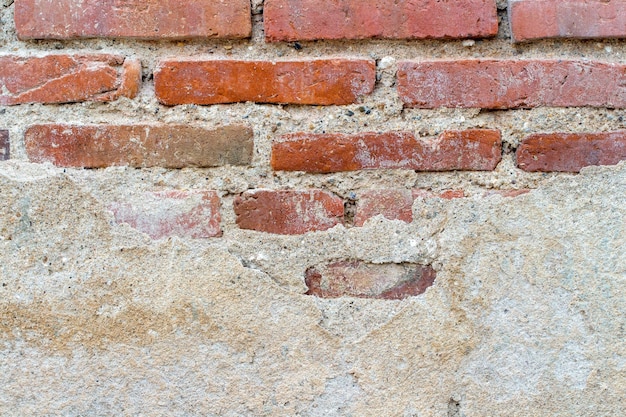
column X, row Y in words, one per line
column 395, row 204
column 508, row 84
column 537, row 19
column 472, row 150
column 169, row 146
column 289, row 20
column 5, row 146
column 288, row 212
column 145, row 19
column 67, row 78
column 569, row 152
column 363, row 280
column 319, row 82
column 187, row 214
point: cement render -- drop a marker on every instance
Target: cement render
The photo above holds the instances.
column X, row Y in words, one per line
column 526, row 317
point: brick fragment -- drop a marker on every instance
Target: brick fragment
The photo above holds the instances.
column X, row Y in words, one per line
column 67, row 78
column 168, row 146
column 507, row 193
column 318, row 81
column 288, row 212
column 363, row 280
column 395, row 204
column 570, row 152
column 472, row 150
column 146, row 19
column 583, row 19
column 290, row 20
column 186, row 214
column 5, row 145
column 509, row 84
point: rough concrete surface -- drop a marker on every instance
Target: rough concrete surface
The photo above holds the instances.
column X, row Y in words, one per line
column 525, row 318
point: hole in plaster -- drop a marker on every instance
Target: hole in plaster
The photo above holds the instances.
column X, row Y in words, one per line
column 365, row 280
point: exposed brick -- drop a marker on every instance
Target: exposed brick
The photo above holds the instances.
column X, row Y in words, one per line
column 472, row 150
column 395, row 204
column 507, row 193
column 169, row 146
column 67, row 78
column 288, row 212
column 363, row 280
column 189, row 214
column 505, row 84
column 569, row 152
column 5, row 145
column 537, row 19
column 289, row 20
column 145, row 19
column 319, row 81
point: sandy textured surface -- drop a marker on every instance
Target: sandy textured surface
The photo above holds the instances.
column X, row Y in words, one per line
column 526, row 316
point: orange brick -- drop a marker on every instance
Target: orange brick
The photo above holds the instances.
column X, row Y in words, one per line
column 169, row 146
column 508, row 84
column 335, row 152
column 67, row 78
column 570, row 152
column 319, row 81
column 288, row 212
column 145, row 19
column 290, row 20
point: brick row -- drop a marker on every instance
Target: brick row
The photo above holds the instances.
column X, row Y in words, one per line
column 182, row 146
column 488, row 84
column 291, row 20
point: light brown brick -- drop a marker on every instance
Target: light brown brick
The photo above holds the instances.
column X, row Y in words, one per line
column 169, row 146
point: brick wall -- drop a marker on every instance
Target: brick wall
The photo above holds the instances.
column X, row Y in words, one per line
column 96, row 86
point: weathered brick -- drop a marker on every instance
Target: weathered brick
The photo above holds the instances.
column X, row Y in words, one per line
column 363, row 280
column 288, row 212
column 289, row 20
column 537, row 19
column 67, row 78
column 507, row 193
column 394, row 204
column 146, row 19
column 5, row 145
column 569, row 152
column 474, row 149
column 169, row 146
column 507, row 84
column 187, row 214
column 319, row 81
